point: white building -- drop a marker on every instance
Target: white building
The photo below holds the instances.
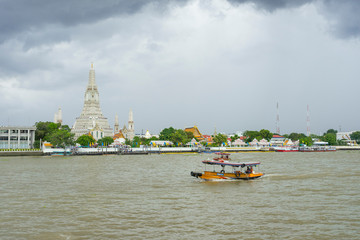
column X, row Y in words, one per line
column 17, row 137
column 91, row 115
column 343, row 135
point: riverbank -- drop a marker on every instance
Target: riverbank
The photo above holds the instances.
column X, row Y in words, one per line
column 21, row 153
column 139, row 151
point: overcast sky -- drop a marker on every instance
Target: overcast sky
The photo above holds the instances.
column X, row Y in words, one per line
column 220, row 63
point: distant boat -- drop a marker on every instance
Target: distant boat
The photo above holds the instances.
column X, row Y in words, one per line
column 317, row 149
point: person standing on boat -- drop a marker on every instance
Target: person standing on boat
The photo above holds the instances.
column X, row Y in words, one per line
column 249, row 170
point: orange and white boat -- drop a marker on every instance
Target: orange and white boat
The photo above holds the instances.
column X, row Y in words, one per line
column 234, row 170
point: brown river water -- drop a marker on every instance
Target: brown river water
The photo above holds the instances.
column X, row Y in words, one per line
column 301, row 196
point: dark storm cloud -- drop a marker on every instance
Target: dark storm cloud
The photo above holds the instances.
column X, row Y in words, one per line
column 272, row 5
column 24, row 15
column 343, row 15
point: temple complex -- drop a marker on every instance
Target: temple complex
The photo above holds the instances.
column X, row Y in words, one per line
column 127, row 132
column 91, row 119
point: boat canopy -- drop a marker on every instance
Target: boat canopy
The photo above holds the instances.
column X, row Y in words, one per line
column 243, row 164
column 221, row 153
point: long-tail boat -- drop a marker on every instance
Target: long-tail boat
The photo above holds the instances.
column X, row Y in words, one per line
column 223, row 169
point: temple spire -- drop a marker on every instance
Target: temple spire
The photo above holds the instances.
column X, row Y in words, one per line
column 91, row 112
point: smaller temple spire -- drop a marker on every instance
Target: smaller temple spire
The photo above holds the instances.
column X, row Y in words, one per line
column 116, row 125
column 58, row 116
column 131, row 119
column 131, row 133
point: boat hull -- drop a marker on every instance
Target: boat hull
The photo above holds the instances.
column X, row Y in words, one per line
column 209, row 176
column 284, row 150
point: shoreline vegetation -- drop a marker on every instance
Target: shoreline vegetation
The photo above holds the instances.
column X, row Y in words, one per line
column 60, row 136
column 177, row 140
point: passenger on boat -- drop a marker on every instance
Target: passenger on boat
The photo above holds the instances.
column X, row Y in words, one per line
column 248, row 170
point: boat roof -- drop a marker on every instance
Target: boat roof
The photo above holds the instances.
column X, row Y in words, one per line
column 233, row 164
column 221, row 153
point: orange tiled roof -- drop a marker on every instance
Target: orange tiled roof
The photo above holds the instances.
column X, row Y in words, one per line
column 194, row 130
column 118, row 135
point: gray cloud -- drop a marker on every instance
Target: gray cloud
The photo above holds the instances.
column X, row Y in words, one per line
column 181, row 66
column 343, row 15
column 23, row 15
column 272, row 5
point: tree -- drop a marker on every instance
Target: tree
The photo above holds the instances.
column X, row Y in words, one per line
column 219, row 139
column 189, row 135
column 179, row 137
column 233, row 138
column 105, row 141
column 136, row 142
column 333, row 131
column 65, row 127
column 61, row 138
column 85, row 140
column 55, row 133
column 306, row 140
column 296, row 136
column 330, row 138
column 165, row 133
column 145, row 141
column 355, row 136
column 250, row 135
column 266, row 134
column 315, row 136
column 128, row 142
column 44, row 130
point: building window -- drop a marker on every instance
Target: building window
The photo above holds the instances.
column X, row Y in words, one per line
column 23, row 131
column 4, row 131
column 4, row 138
column 14, row 131
column 23, row 138
column 13, row 138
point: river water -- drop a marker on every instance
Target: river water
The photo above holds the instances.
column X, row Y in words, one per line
column 301, row 196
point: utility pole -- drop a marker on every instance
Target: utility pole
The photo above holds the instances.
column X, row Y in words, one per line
column 277, row 119
column 308, row 121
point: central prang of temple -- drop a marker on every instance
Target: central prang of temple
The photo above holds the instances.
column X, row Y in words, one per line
column 91, row 120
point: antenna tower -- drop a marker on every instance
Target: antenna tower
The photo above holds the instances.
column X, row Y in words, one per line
column 308, row 121
column 277, row 119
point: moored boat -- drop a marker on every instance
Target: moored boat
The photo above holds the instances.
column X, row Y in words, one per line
column 286, row 149
column 233, row 171
column 317, row 149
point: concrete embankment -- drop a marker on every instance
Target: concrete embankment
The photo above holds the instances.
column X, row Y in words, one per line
column 347, row 147
column 20, row 153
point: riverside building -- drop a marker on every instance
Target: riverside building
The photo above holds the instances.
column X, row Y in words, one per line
column 91, row 119
column 17, row 137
